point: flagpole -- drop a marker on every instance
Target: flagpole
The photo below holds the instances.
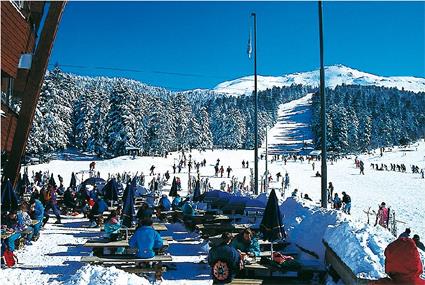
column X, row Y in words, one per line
column 324, row 177
column 255, row 108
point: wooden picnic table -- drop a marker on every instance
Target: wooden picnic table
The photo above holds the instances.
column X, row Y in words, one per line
column 103, row 243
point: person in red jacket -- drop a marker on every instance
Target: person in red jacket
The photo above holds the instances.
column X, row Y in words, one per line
column 402, row 264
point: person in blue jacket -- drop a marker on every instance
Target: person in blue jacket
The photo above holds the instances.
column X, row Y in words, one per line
column 146, row 240
column 187, row 209
column 176, row 204
column 164, row 203
column 37, row 213
column 245, row 242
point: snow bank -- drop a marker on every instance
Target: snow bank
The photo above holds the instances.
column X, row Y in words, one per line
column 93, row 275
column 306, row 224
column 361, row 247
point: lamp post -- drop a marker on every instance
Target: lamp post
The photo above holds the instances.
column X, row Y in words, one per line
column 323, row 114
column 255, row 108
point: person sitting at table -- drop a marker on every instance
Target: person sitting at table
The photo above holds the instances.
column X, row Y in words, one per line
column 11, row 225
column 245, row 242
column 187, row 208
column 69, row 200
column 144, row 212
column 36, row 213
column 224, row 253
column 146, row 239
column 99, row 207
column 164, row 203
column 176, row 204
column 25, row 222
column 112, row 226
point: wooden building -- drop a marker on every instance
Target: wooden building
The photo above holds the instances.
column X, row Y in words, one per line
column 28, row 29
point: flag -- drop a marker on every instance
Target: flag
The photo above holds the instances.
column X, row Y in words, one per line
column 249, row 48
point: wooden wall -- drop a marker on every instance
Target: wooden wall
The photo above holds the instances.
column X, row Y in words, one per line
column 9, row 121
column 16, row 37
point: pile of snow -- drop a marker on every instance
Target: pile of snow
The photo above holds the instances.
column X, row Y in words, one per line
column 361, row 247
column 335, row 75
column 93, row 275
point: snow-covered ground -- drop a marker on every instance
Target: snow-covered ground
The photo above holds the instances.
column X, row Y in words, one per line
column 335, row 75
column 54, row 258
column 292, row 129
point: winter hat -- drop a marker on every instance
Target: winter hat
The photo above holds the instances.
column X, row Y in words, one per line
column 383, row 204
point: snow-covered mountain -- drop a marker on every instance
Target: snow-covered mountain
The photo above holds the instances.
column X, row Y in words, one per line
column 335, row 75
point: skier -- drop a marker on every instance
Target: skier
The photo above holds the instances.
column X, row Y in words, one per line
column 278, row 175
column 167, row 175
column 382, row 217
column 286, row 180
column 418, row 243
column 247, row 165
column 405, row 234
column 221, row 171
column 312, row 165
column 152, row 170
column 243, row 163
column 361, row 167
column 346, row 200
column 228, row 171
column 174, row 168
column 216, row 169
column 330, row 191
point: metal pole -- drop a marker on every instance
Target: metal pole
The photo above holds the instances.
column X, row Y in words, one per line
column 323, row 113
column 266, row 183
column 255, row 108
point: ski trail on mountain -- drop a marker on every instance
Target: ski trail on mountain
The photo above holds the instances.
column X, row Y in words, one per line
column 293, row 127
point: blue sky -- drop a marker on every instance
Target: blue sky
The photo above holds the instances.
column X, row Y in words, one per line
column 185, row 45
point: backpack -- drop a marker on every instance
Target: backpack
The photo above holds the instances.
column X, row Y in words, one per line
column 9, row 258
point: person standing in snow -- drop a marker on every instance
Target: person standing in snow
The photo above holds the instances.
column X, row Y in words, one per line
column 405, row 234
column 243, row 163
column 418, row 243
column 278, row 175
column 336, row 202
column 330, row 191
column 152, row 170
column 286, row 180
column 174, row 168
column 228, row 171
column 221, row 171
column 361, row 167
column 382, row 216
column 346, row 200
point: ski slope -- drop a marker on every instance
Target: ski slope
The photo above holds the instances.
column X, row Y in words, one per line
column 292, row 129
column 334, row 75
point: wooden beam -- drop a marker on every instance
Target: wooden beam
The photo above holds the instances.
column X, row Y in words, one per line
column 32, row 89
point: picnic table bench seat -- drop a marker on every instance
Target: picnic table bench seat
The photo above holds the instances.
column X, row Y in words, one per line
column 125, row 259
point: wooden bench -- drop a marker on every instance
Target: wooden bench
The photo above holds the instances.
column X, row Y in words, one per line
column 239, row 281
column 123, row 262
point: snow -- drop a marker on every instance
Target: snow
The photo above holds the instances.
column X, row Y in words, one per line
column 361, row 247
column 93, row 275
column 54, row 258
column 335, row 75
column 292, row 129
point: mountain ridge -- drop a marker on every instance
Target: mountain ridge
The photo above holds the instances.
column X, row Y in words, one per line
column 335, row 75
